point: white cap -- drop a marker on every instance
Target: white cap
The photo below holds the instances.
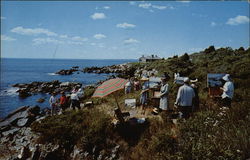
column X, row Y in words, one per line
column 186, row 80
column 226, row 77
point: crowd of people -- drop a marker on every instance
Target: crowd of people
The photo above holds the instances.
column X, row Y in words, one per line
column 59, row 105
column 187, row 99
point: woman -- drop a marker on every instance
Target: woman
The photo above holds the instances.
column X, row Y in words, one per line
column 63, row 101
column 164, row 94
column 144, row 93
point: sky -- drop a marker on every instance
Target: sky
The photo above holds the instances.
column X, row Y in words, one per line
column 120, row 29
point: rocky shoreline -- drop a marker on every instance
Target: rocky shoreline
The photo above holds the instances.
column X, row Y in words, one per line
column 17, row 139
column 115, row 69
column 19, row 142
column 28, row 89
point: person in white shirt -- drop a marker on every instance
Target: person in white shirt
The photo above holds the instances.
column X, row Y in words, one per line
column 128, row 87
column 52, row 101
column 75, row 100
column 184, row 99
column 228, row 91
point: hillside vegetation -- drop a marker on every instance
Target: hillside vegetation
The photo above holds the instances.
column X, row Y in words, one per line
column 211, row 133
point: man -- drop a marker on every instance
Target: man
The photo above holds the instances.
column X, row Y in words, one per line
column 228, row 91
column 184, row 99
column 75, row 100
column 52, row 101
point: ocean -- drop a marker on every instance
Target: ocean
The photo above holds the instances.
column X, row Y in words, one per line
column 29, row 70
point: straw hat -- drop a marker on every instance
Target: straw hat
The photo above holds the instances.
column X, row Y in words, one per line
column 144, row 79
column 194, row 81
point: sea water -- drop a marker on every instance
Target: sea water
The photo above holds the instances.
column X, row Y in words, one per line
column 29, row 70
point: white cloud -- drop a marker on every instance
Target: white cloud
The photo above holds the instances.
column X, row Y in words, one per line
column 34, row 31
column 106, row 7
column 99, row 36
column 130, row 41
column 159, row 7
column 125, row 25
column 7, row 38
column 145, row 5
column 38, row 41
column 73, row 42
column 98, row 16
column 92, row 44
column 77, row 38
column 213, row 24
column 149, row 6
column 238, row 20
column 2, row 18
column 63, row 36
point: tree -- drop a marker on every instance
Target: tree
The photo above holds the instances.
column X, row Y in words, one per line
column 185, row 57
column 209, row 49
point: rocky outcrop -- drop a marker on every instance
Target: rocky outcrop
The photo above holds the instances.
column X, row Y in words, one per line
column 20, row 117
column 107, row 69
column 68, row 71
column 27, row 89
column 123, row 70
column 40, row 100
column 19, row 142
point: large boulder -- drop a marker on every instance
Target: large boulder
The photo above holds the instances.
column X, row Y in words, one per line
column 21, row 117
column 23, row 93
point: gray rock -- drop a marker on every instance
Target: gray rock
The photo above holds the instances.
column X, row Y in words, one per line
column 40, row 100
column 22, row 122
column 17, row 110
column 14, row 118
column 64, row 84
column 10, row 132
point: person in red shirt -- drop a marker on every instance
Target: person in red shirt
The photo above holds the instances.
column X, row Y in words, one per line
column 63, row 101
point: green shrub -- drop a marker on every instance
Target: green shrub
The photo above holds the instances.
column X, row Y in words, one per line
column 86, row 128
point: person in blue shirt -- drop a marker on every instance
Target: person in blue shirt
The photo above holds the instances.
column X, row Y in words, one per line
column 144, row 93
column 184, row 100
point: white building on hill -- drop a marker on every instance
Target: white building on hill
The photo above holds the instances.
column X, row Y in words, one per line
column 149, row 58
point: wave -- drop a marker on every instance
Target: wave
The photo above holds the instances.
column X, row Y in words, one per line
column 9, row 92
column 52, row 74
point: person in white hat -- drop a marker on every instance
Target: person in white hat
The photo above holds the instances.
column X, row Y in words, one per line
column 164, row 93
column 228, row 91
column 184, row 99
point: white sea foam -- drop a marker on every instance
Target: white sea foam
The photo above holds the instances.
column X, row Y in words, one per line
column 9, row 92
column 52, row 74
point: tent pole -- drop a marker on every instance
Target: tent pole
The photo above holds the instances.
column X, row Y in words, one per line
column 117, row 104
